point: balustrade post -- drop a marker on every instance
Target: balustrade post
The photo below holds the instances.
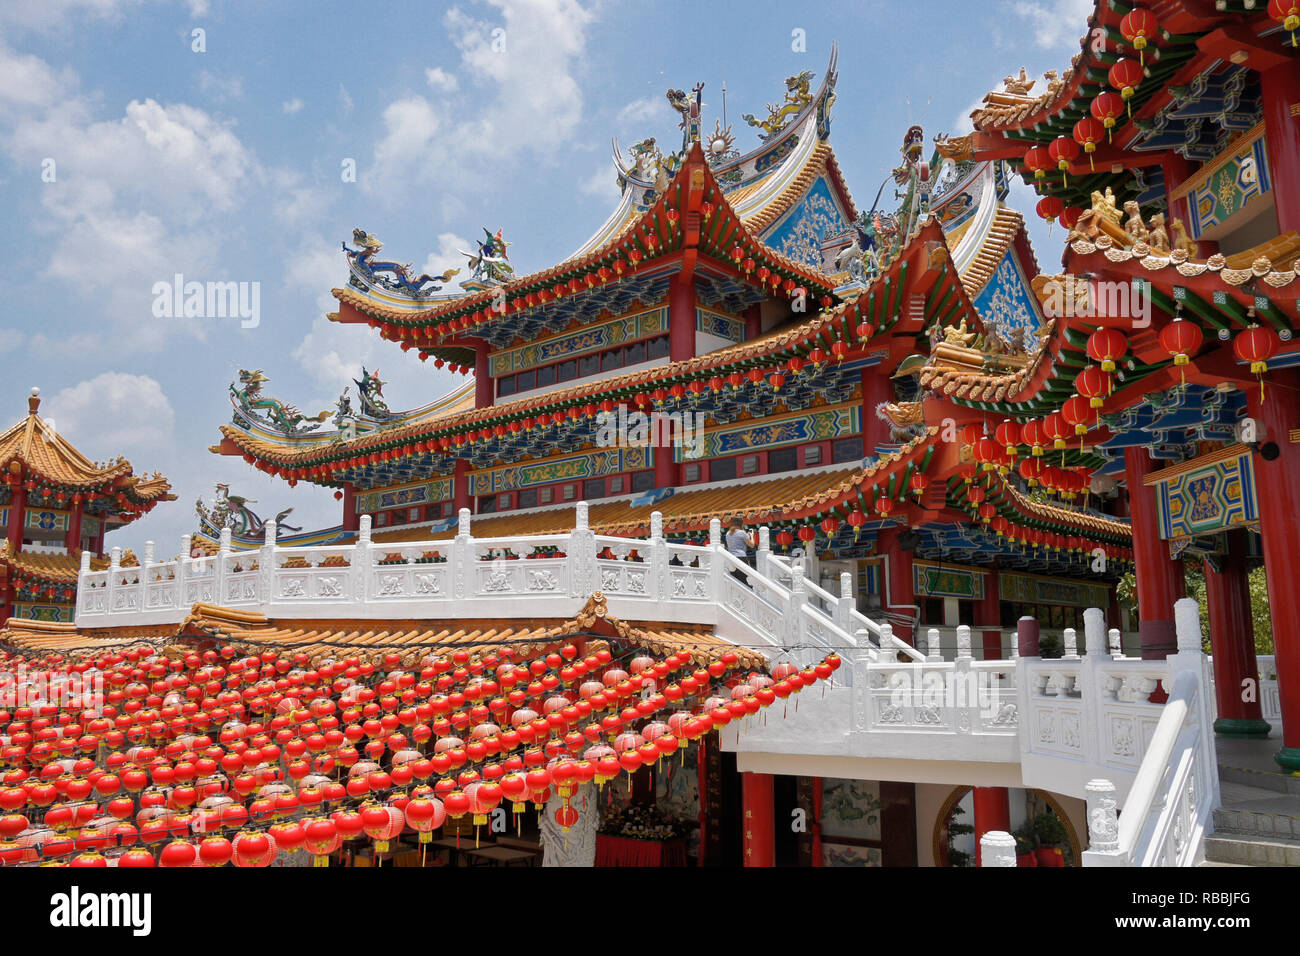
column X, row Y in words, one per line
column 657, row 579
column 363, row 559
column 146, row 562
column 933, row 652
column 1070, row 639
column 148, row 554
column 114, row 571
column 266, row 562
column 844, row 606
column 462, row 556
column 795, row 625
column 888, row 644
column 997, row 848
column 583, row 553
column 1190, row 656
column 1026, row 644
column 763, row 554
column 963, row 642
column 219, row 572
column 1115, row 641
column 183, row 568
column 1091, row 688
column 1103, row 825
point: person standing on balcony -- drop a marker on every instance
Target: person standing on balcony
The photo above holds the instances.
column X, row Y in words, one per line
column 739, row 543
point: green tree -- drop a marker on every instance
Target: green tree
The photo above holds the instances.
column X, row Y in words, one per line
column 1194, row 575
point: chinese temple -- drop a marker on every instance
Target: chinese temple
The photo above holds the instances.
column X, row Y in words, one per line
column 952, row 458
column 57, row 506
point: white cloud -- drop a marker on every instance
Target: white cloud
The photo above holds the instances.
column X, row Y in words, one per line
column 961, row 124
column 441, row 80
column 527, row 100
column 51, row 14
column 221, row 87
column 448, row 255
column 114, row 413
column 1055, row 23
column 643, row 110
column 10, row 339
column 292, row 106
column 602, row 183
column 345, row 99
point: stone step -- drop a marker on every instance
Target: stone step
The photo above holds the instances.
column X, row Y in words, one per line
column 1260, row 820
column 1251, row 850
column 1277, row 782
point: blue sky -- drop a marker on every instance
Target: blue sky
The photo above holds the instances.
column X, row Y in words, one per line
column 225, row 164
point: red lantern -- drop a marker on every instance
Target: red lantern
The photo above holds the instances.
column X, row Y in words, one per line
column 1093, row 384
column 1181, row 339
column 1076, row 411
column 1064, row 150
column 1256, row 345
column 1107, row 107
column 1088, row 133
column 1139, row 26
column 1049, row 207
column 1105, row 346
column 884, row 506
column 1038, row 160
column 1056, row 428
column 1069, row 216
column 1125, row 75
column 1008, row 435
column 1287, row 13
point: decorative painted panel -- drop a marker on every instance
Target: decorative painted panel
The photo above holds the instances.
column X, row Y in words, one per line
column 800, row 232
column 90, row 526
column 946, row 580
column 438, row 490
column 44, row 612
column 1238, row 177
column 593, row 338
column 723, row 326
column 1212, row 497
column 608, row 461
column 1006, row 303
column 813, row 426
column 47, row 520
column 869, row 577
column 1033, row 589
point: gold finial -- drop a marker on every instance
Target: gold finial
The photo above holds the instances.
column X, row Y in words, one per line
column 34, row 402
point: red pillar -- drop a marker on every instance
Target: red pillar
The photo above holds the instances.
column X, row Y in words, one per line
column 992, row 812
column 1281, row 89
column 681, row 319
column 351, row 520
column 17, row 516
column 1277, row 486
column 760, row 827
column 754, row 321
column 1159, row 577
column 667, row 471
column 1232, row 642
column 461, row 496
column 988, row 613
column 484, row 387
column 876, row 389
column 899, row 594
column 72, row 540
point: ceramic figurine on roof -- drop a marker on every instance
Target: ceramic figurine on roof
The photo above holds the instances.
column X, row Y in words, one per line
column 391, row 275
column 370, row 389
column 232, row 511
column 798, row 96
column 690, row 107
column 252, row 406
column 490, row 264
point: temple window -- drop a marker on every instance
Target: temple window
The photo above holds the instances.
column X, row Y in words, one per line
column 503, row 502
column 528, row 498
column 782, row 459
column 691, row 473
column 616, row 485
column 846, row 449
column 722, row 469
column 593, row 488
column 812, row 455
column 643, row 481
column 570, row 492
column 546, row 495
column 487, row 505
column 749, row 465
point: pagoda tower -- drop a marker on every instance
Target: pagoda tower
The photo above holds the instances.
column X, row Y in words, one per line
column 56, row 503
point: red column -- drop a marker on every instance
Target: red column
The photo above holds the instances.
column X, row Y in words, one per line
column 461, row 496
column 484, row 387
column 1281, row 89
column 1159, row 577
column 17, row 516
column 681, row 319
column 988, row 612
column 1277, row 486
column 899, row 594
column 351, row 520
column 1232, row 642
column 992, row 812
column 754, row 321
column 760, row 827
column 72, row 540
column 876, row 389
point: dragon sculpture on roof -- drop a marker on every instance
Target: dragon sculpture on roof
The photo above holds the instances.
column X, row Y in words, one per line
column 389, row 274
column 232, row 511
column 252, row 407
column 798, row 96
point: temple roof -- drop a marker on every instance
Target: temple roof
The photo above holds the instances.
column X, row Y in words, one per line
column 55, row 568
column 33, row 446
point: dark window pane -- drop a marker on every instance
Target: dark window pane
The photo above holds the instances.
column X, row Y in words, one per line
column 782, row 459
column 568, row 370
column 528, row 498
column 634, row 353
column 546, row 376
column 525, row 381
column 691, row 473
column 487, row 505
column 595, row 488
column 643, row 481
column 846, row 449
column 611, row 360
column 506, row 385
column 503, row 501
column 722, row 469
column 657, row 348
column 588, row 365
